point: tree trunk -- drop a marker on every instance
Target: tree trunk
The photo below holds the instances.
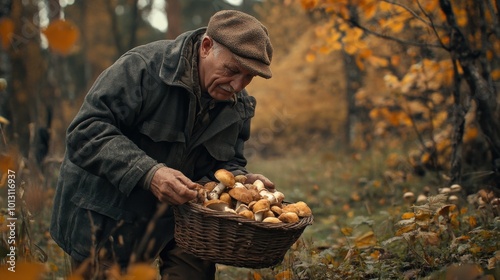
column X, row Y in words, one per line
column 353, row 83
column 481, row 90
column 174, row 17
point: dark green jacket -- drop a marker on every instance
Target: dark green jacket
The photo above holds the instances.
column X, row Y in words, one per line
column 140, row 112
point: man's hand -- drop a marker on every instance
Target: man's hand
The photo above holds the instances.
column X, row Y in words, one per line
column 253, row 177
column 171, row 186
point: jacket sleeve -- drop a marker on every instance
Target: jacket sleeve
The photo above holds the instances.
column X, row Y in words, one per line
column 96, row 138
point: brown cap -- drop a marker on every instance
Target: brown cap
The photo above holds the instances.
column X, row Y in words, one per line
column 245, row 37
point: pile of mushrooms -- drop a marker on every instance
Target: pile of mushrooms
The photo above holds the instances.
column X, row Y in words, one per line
column 253, row 201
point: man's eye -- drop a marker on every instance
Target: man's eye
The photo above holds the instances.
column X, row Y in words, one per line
column 232, row 71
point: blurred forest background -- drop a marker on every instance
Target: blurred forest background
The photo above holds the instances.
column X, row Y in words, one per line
column 370, row 102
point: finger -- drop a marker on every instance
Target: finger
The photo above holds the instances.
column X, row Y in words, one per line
column 184, row 192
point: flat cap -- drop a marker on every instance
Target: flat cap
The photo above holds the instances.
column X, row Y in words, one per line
column 244, row 36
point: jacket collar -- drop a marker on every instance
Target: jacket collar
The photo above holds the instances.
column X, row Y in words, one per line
column 177, row 63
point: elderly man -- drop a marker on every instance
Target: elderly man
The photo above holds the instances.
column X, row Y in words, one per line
column 164, row 117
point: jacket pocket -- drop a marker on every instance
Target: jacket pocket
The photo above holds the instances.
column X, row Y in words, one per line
column 97, row 194
column 158, row 131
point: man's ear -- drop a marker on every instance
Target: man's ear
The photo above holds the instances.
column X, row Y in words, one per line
column 206, row 46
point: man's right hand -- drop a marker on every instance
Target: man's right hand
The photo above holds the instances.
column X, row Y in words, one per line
column 171, row 186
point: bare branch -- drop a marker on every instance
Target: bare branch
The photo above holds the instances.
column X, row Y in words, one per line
column 409, row 10
column 433, row 26
column 387, row 37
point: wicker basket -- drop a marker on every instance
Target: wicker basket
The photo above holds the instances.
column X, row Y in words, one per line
column 230, row 239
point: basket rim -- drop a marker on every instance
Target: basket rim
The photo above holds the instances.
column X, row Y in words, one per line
column 303, row 222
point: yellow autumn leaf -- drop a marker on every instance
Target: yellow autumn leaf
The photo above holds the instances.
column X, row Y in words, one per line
column 430, row 5
column 310, row 57
column 369, row 10
column 350, row 49
column 375, row 254
column 396, row 26
column 405, row 229
column 426, row 157
column 395, row 60
column 461, row 16
column 422, row 215
column 284, row 275
column 408, row 215
column 366, row 240
column 359, row 63
column 347, row 231
column 475, row 249
column 495, row 74
column 384, row 6
column 308, row 4
column 257, row 276
column 377, row 61
column 445, row 210
column 472, row 221
column 6, row 32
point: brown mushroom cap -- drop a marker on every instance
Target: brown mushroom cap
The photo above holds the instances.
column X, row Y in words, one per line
column 226, row 198
column 279, row 196
column 241, row 194
column 273, row 220
column 259, row 208
column 289, row 217
column 247, row 214
column 210, row 186
column 277, row 210
column 290, row 208
column 216, row 204
column 240, row 178
column 304, row 210
column 268, row 213
column 225, row 177
column 261, row 205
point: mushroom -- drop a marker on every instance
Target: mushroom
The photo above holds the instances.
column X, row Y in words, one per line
column 276, row 210
column 247, row 214
column 279, row 196
column 259, row 208
column 226, row 198
column 239, row 185
column 210, row 186
column 304, row 210
column 260, row 185
column 219, row 205
column 268, row 214
column 453, row 199
column 272, row 220
column 421, row 198
column 455, row 188
column 289, row 217
column 269, row 196
column 409, row 197
column 241, row 195
column 290, row 208
column 444, row 190
column 226, row 179
column 240, row 178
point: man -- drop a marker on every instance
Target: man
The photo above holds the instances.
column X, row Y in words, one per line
column 164, row 117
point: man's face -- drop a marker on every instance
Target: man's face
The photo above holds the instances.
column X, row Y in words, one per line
column 221, row 75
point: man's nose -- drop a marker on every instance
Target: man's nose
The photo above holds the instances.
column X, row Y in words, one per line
column 238, row 83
